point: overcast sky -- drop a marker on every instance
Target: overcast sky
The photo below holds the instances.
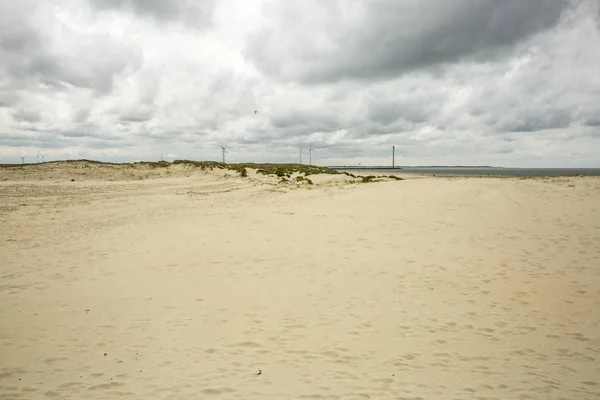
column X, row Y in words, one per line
column 469, row 82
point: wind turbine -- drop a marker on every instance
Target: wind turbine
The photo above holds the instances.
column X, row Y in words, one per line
column 310, row 150
column 224, row 150
column 37, row 158
column 22, row 159
column 301, row 152
column 42, row 155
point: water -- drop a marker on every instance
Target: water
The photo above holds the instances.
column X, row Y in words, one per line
column 481, row 171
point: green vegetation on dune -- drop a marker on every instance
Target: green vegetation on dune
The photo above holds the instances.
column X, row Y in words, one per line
column 288, row 169
column 370, row 178
column 301, row 178
column 375, row 178
column 280, row 170
column 154, row 164
column 395, row 177
column 201, row 164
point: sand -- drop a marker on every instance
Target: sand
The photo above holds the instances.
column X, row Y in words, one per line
column 184, row 285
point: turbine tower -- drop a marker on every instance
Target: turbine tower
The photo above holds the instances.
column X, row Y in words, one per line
column 223, row 151
column 310, row 150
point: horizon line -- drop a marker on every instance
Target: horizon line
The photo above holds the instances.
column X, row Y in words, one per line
column 397, row 167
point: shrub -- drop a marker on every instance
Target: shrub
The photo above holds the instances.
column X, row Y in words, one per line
column 151, row 164
column 395, row 177
column 370, row 178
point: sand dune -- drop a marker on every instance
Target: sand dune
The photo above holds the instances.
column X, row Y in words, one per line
column 185, row 286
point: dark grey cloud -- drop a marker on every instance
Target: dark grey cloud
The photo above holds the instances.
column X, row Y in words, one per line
column 81, row 115
column 593, row 120
column 33, row 57
column 302, row 121
column 385, row 113
column 54, row 140
column 18, row 34
column 27, row 115
column 137, row 114
column 79, row 134
column 539, row 120
column 196, row 13
column 391, row 111
column 372, row 39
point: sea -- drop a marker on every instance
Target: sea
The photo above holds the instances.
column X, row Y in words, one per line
column 479, row 171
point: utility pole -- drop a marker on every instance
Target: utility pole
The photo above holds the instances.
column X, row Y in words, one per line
column 393, row 156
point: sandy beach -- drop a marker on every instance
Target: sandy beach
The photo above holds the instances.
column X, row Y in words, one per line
column 186, row 284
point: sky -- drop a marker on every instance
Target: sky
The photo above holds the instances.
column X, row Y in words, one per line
column 509, row 83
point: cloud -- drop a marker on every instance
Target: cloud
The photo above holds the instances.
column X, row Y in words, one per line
column 190, row 12
column 330, row 40
column 593, row 121
column 538, row 120
column 42, row 48
column 509, row 83
column 27, row 115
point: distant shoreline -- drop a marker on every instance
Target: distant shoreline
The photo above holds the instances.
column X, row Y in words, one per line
column 479, row 171
column 408, row 167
